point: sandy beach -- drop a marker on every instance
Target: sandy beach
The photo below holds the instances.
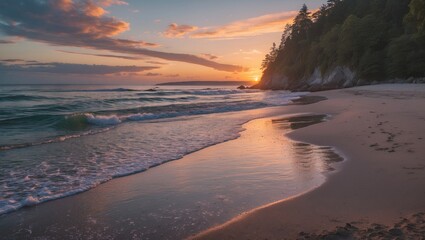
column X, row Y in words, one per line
column 379, row 193
column 183, row 197
column 296, row 185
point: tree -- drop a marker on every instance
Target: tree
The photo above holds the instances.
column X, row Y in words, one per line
column 376, row 39
column 302, row 23
column 285, row 36
column 270, row 57
column 416, row 15
column 333, row 3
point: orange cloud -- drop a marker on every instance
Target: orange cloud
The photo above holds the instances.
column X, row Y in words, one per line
column 172, row 75
column 209, row 56
column 93, row 10
column 19, row 65
column 83, row 24
column 105, row 55
column 64, row 5
column 175, row 31
column 268, row 23
column 151, row 74
column 107, row 3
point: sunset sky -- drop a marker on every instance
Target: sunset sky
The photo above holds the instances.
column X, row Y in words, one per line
column 138, row 42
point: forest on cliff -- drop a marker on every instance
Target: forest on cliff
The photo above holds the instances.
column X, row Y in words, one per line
column 376, row 39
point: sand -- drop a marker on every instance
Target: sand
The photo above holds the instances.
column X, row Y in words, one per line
column 380, row 191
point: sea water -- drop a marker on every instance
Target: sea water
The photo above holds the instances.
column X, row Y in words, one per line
column 59, row 140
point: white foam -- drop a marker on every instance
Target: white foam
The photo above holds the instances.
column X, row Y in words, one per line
column 30, row 201
column 139, row 116
column 102, row 120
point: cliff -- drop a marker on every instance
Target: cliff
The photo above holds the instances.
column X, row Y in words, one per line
column 339, row 77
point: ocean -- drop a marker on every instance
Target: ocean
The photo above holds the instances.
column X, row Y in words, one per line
column 60, row 140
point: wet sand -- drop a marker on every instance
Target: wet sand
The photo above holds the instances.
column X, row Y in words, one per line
column 380, row 191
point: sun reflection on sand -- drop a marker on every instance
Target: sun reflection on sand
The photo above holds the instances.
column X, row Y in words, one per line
column 205, row 188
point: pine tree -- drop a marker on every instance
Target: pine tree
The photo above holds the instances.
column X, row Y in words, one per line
column 302, row 22
column 270, row 57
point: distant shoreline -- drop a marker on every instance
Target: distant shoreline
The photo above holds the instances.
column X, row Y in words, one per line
column 207, row 83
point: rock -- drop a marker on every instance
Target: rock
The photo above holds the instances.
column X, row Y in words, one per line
column 339, row 77
column 151, row 90
column 343, row 232
column 395, row 232
column 242, row 87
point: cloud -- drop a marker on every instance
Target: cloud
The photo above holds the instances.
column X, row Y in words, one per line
column 2, row 41
column 268, row 23
column 12, row 60
column 104, row 55
column 69, row 68
column 153, row 74
column 107, row 3
column 175, row 31
column 156, row 62
column 209, row 56
column 82, row 23
column 249, row 52
column 172, row 75
column 9, row 40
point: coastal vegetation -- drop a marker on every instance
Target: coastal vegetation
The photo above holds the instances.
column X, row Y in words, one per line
column 377, row 40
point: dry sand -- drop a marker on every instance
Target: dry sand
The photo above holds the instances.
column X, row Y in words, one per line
column 380, row 191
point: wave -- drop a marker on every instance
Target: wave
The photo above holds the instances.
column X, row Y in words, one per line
column 199, row 92
column 23, row 98
column 95, row 90
column 83, row 124
column 152, row 99
column 62, row 124
column 102, row 120
column 89, row 167
column 52, row 140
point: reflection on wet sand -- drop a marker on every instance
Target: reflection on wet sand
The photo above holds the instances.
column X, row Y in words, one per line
column 308, row 157
column 183, row 197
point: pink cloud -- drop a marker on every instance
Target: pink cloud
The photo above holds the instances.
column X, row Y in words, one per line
column 84, row 24
column 172, row 75
column 268, row 23
column 150, row 74
column 175, row 31
column 209, row 56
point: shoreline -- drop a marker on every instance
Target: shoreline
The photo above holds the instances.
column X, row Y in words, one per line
column 268, row 112
column 219, row 179
column 381, row 181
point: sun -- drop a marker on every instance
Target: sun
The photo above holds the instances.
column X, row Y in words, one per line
column 256, row 78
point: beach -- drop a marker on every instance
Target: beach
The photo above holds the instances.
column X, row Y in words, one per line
column 168, row 120
column 379, row 192
column 342, row 163
column 226, row 162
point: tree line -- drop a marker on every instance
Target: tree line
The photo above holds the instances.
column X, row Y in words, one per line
column 377, row 39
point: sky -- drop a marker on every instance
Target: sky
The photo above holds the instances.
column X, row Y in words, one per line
column 139, row 42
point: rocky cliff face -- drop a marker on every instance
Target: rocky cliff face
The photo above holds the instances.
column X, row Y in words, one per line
column 339, row 77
